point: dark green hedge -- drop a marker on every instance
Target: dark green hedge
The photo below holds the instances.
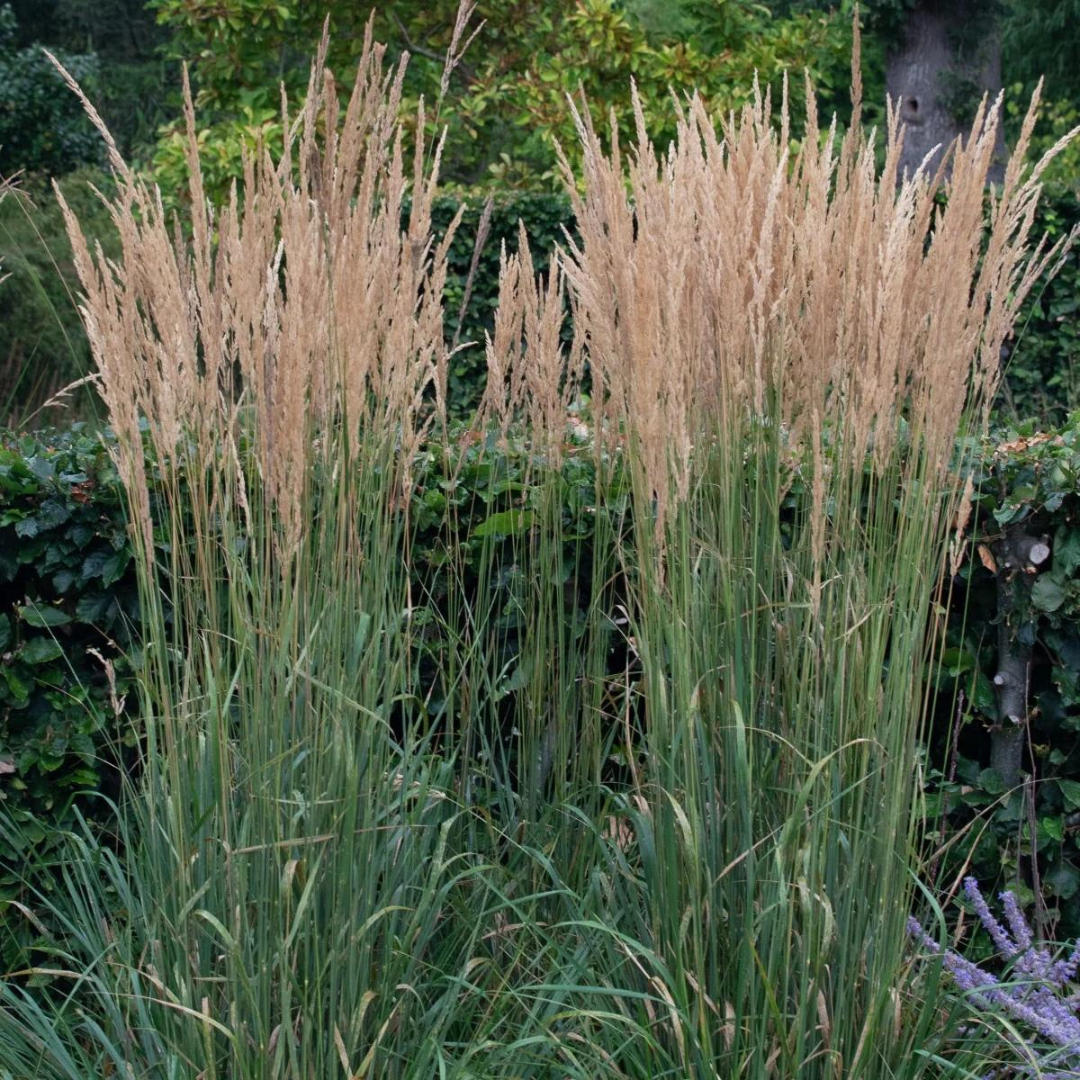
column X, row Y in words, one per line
column 68, row 602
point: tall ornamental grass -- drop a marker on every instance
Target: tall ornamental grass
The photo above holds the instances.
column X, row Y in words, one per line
column 756, row 324
column 690, row 848
column 294, row 897
column 786, row 349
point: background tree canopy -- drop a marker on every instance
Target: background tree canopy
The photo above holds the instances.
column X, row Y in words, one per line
column 506, row 105
column 42, row 129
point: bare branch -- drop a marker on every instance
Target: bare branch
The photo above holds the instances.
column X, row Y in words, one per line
column 467, row 73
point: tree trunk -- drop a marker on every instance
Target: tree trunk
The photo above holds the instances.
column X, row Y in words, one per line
column 947, row 56
column 1019, row 556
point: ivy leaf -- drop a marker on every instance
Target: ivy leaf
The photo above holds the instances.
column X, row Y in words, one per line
column 1047, row 593
column 93, row 608
column 1070, row 789
column 1066, row 550
column 983, row 696
column 63, row 580
column 1063, row 879
column 42, row 468
column 1054, row 827
column 108, row 565
column 115, row 566
column 42, row 616
column 5, row 632
column 40, row 650
column 991, row 781
column 51, row 514
column 506, row 523
column 19, row 690
column 94, row 564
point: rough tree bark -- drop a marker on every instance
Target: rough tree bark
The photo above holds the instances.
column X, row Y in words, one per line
column 945, row 58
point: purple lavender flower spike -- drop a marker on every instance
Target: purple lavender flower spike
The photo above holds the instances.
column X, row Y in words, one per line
column 1034, row 993
column 1001, row 939
column 1066, row 971
column 1021, row 932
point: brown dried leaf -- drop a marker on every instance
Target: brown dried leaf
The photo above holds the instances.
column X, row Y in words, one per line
column 987, row 559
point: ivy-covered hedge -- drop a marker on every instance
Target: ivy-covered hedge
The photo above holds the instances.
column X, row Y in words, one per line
column 68, row 601
column 1016, row 607
column 68, row 604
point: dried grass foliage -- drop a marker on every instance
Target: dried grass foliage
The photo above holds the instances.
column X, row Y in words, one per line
column 530, row 372
column 710, row 279
column 723, row 273
column 303, row 302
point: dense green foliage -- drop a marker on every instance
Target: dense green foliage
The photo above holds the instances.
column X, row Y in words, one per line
column 132, row 85
column 42, row 125
column 65, row 590
column 505, row 106
column 1039, row 39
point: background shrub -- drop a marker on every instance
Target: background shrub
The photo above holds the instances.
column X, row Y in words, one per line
column 42, row 125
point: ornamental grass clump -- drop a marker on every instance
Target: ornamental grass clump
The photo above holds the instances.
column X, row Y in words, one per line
column 783, row 348
column 653, row 814
column 293, row 896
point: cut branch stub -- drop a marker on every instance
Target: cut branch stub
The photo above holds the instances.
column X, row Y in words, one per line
column 1016, row 550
